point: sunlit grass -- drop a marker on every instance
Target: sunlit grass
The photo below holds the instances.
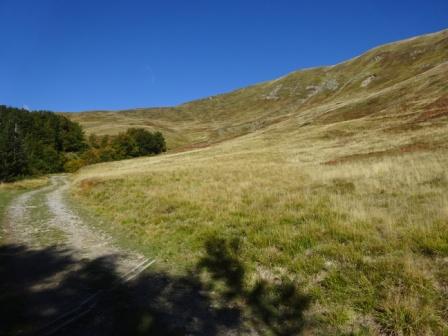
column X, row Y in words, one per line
column 408, row 75
column 344, row 192
column 368, row 239
column 10, row 190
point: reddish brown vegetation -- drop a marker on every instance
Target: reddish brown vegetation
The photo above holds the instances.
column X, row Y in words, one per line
column 437, row 109
column 409, row 148
column 87, row 184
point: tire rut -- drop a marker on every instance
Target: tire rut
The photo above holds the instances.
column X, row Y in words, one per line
column 74, row 272
column 84, row 241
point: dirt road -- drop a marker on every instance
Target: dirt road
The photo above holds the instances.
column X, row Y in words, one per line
column 43, row 217
column 61, row 276
column 54, row 266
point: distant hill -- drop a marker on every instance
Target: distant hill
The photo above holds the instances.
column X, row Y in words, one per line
column 397, row 87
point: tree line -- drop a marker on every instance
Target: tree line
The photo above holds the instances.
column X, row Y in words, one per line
column 43, row 142
column 133, row 143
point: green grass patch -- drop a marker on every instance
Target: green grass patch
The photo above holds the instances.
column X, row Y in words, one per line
column 8, row 191
column 43, row 234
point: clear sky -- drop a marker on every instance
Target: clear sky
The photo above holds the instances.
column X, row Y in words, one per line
column 73, row 55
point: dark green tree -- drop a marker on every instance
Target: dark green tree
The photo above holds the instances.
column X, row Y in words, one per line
column 13, row 159
column 33, row 143
column 147, row 143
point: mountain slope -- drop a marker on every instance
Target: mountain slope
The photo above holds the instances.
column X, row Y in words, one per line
column 399, row 81
column 332, row 179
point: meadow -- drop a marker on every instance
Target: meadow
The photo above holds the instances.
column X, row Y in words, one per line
column 366, row 238
column 332, row 179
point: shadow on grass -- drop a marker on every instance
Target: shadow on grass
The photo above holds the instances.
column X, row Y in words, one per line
column 275, row 308
column 38, row 286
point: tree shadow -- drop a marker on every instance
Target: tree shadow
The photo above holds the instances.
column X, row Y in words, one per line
column 49, row 292
column 276, row 308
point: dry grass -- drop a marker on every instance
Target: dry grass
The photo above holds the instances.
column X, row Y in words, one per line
column 408, row 76
column 366, row 237
column 31, row 183
column 368, row 240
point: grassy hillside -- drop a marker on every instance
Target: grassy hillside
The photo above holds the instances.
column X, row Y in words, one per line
column 403, row 77
column 337, row 181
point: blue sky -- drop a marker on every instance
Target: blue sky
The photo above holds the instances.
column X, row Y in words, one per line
column 73, row 55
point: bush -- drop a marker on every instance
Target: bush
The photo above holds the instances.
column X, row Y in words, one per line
column 145, row 143
column 133, row 143
column 73, row 163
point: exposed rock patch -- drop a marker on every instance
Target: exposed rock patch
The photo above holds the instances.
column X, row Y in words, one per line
column 365, row 83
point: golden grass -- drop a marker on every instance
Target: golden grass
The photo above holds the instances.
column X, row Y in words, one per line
column 344, row 192
column 367, row 239
column 30, row 183
column 409, row 75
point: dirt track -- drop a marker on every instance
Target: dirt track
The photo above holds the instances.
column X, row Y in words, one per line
column 57, row 216
column 61, row 276
column 54, row 267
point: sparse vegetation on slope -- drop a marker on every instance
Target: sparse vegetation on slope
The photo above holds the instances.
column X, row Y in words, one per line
column 403, row 78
